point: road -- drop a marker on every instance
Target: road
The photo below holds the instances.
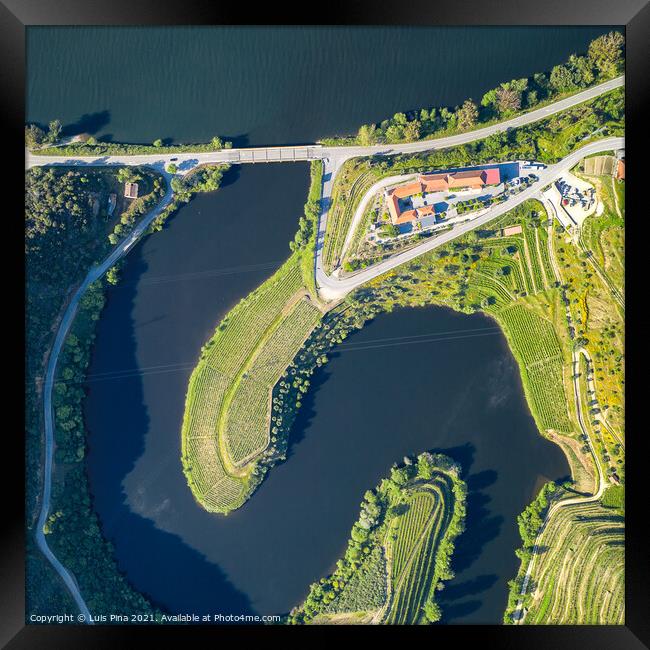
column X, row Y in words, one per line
column 333, row 288
column 519, row 613
column 333, row 155
column 94, row 274
column 333, row 158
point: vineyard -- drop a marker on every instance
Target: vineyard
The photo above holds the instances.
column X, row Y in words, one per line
column 228, row 404
column 581, row 580
column 506, row 263
column 545, row 255
column 417, row 536
column 247, row 427
column 399, row 551
column 344, row 203
column 536, row 346
column 533, row 256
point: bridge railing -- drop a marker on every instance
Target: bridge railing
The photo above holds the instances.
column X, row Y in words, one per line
column 275, row 154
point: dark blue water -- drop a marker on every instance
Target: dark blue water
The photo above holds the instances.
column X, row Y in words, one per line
column 369, row 407
column 271, row 85
column 460, row 394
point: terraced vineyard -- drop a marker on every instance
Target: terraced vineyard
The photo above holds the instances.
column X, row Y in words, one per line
column 228, row 404
column 344, row 203
column 547, row 265
column 581, row 580
column 399, row 551
column 535, row 264
column 418, row 534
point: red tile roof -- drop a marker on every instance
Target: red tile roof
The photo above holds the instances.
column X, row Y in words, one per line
column 437, row 183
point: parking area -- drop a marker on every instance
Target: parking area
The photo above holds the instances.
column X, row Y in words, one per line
column 574, row 200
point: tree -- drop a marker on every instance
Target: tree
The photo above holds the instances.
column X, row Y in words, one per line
column 124, row 175
column 508, row 99
column 531, row 98
column 54, row 131
column 582, row 69
column 112, row 275
column 412, row 130
column 158, row 143
column 432, row 611
column 606, row 53
column 394, row 133
column 562, row 79
column 389, row 230
column 540, row 80
column 399, row 475
column 467, row 114
column 367, row 135
column 216, row 142
column 172, row 168
column 34, row 136
column 489, row 99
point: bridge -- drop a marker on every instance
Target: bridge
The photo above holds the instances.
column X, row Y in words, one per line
column 275, row 154
column 330, row 287
column 333, row 156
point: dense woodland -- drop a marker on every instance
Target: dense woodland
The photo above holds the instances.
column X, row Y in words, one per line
column 67, row 230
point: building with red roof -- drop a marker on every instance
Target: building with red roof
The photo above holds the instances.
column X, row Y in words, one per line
column 428, row 183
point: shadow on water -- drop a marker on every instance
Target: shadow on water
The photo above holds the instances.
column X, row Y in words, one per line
column 459, row 611
column 231, row 176
column 90, row 123
column 480, row 528
column 182, row 584
column 307, row 412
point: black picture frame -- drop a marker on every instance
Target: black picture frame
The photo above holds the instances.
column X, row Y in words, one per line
column 16, row 15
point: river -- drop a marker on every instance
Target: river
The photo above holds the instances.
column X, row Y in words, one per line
column 267, row 85
column 411, row 380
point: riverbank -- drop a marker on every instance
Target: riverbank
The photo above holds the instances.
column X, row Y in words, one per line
column 65, row 514
column 399, row 552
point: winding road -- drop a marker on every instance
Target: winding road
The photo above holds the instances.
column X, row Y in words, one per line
column 331, row 288
column 519, row 613
column 94, row 274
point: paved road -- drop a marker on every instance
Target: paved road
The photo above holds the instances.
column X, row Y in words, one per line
column 333, row 158
column 94, row 274
column 334, row 155
column 333, row 288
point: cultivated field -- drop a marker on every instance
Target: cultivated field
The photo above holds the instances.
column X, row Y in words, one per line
column 228, row 404
column 536, row 346
column 580, row 578
column 399, row 550
column 413, row 542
